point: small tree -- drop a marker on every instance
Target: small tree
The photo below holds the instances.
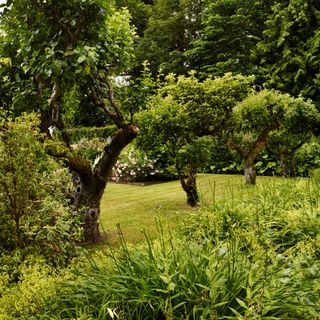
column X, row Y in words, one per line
column 261, row 113
column 33, row 206
column 183, row 113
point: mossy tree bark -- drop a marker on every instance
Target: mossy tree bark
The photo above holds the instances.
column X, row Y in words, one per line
column 251, row 151
column 91, row 183
column 189, row 184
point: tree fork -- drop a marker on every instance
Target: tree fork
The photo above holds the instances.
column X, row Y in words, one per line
column 91, row 184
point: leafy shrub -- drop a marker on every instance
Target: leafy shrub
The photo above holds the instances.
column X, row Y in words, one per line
column 134, row 165
column 26, row 285
column 308, row 157
column 33, row 195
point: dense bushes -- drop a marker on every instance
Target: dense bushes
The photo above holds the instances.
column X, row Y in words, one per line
column 26, row 285
column 35, row 217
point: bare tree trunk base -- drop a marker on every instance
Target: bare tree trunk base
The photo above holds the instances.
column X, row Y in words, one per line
column 250, row 173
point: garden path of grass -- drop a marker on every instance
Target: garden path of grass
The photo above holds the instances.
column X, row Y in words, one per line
column 136, row 207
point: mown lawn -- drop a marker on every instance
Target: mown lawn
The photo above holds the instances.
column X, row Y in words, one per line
column 137, row 207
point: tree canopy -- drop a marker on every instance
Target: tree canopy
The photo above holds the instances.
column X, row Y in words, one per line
column 289, row 53
column 229, row 32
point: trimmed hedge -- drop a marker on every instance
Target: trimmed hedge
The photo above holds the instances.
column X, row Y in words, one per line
column 79, row 133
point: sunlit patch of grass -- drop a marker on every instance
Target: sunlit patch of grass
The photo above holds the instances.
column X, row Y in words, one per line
column 136, row 207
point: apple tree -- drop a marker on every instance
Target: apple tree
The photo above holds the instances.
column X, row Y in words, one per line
column 53, row 50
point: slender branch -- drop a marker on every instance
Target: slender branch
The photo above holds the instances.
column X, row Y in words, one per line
column 98, row 96
column 112, row 100
column 53, row 102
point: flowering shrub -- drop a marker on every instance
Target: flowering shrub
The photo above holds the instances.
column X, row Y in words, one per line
column 133, row 165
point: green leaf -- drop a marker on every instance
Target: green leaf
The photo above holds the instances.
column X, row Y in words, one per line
column 242, row 304
column 171, row 286
column 81, row 59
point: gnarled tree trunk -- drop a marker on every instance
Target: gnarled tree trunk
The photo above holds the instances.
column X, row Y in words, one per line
column 251, row 152
column 87, row 203
column 90, row 184
column 250, row 172
column 284, row 163
column 189, row 185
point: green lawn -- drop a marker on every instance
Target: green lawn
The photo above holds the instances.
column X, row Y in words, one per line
column 136, row 207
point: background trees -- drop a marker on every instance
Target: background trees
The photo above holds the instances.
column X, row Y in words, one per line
column 229, row 32
column 289, row 53
column 171, row 27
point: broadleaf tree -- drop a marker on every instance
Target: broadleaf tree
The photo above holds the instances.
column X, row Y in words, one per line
column 261, row 113
column 51, row 48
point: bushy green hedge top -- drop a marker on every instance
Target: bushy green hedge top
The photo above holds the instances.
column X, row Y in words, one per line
column 78, row 133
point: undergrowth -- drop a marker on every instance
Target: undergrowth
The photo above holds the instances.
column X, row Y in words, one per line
column 255, row 256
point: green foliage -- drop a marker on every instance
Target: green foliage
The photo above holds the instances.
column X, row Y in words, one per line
column 67, row 42
column 308, row 157
column 184, row 109
column 261, row 113
column 171, row 26
column 33, row 189
column 26, row 285
column 134, row 92
column 139, row 10
column 182, row 113
column 289, row 51
column 230, row 30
